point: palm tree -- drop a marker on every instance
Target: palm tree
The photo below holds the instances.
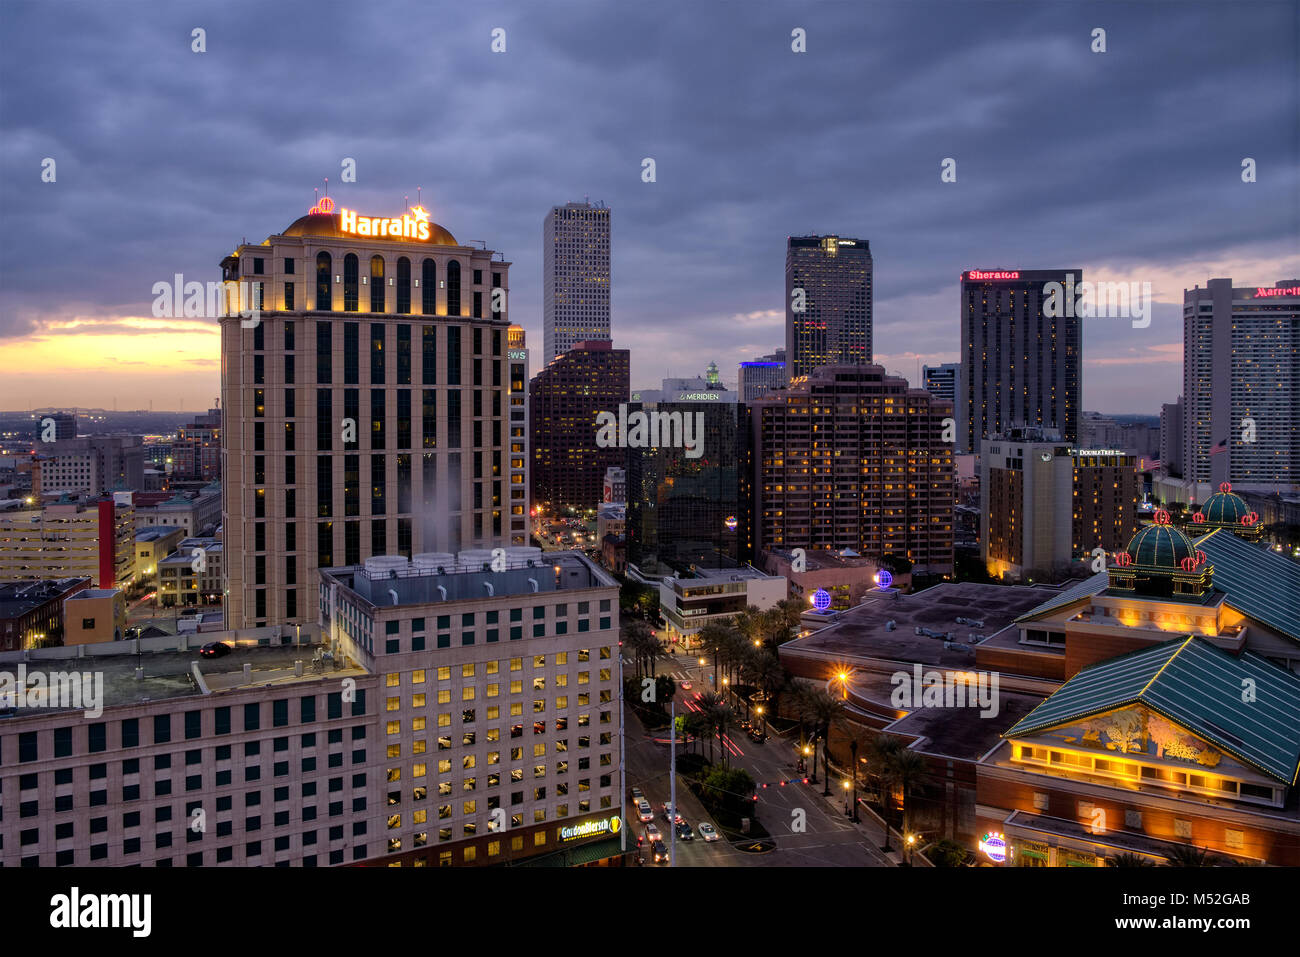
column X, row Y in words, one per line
column 825, row 709
column 905, row 772
column 786, row 616
column 713, row 639
column 1129, row 860
column 708, row 724
column 882, row 749
column 637, row 638
column 1187, row 855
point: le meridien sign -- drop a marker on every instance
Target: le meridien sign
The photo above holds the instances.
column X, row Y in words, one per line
column 414, row 225
column 608, row 825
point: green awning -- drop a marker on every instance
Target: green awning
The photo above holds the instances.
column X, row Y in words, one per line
column 577, row 856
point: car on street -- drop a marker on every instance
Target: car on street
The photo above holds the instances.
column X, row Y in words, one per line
column 686, row 686
column 644, row 811
column 670, row 815
column 214, row 649
column 660, row 852
column 652, row 833
column 708, row 831
column 756, row 735
column 637, row 796
column 684, row 832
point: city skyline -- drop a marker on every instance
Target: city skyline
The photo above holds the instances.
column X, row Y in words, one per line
column 699, row 253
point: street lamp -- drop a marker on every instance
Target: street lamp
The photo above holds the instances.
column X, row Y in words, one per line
column 853, row 748
column 846, row 796
column 907, row 850
column 811, row 751
column 843, row 677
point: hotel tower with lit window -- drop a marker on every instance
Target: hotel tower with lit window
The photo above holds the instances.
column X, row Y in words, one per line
column 365, row 413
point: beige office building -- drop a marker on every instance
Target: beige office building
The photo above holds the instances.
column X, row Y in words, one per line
column 365, row 413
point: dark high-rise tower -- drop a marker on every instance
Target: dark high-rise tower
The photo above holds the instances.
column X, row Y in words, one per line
column 1020, row 367
column 564, row 399
column 830, row 278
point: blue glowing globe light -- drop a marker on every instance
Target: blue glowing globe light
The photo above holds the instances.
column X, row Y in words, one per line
column 821, row 599
column 884, row 579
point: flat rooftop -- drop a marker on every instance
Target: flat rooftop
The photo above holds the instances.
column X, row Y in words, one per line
column 964, row 733
column 167, row 673
column 554, row 571
column 862, row 631
column 743, row 573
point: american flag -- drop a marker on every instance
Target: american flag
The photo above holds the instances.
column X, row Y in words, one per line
column 1221, row 447
column 1148, row 465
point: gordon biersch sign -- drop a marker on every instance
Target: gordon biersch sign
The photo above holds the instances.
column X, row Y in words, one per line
column 609, row 825
column 412, row 226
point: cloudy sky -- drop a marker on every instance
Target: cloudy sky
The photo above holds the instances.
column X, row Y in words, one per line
column 1126, row 163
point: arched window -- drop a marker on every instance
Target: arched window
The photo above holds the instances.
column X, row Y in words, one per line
column 324, row 274
column 403, row 285
column 453, row 288
column 429, row 287
column 351, row 281
column 376, row 283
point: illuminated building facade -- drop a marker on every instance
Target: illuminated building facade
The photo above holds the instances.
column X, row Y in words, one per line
column 501, row 723
column 1176, row 724
column 365, row 758
column 941, row 380
column 1241, row 385
column 828, row 299
column 761, row 376
column 851, row 457
column 575, row 277
column 520, row 458
column 67, row 538
column 365, row 413
column 564, row 399
column 686, row 510
column 1020, row 366
column 1047, row 504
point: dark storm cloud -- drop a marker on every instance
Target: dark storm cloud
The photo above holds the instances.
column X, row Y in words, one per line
column 1126, row 162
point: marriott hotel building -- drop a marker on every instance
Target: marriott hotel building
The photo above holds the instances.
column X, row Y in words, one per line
column 365, row 414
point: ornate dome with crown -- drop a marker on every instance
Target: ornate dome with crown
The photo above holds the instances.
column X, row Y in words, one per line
column 1161, row 560
column 1225, row 509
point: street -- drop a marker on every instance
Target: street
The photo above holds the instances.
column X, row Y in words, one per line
column 809, row 830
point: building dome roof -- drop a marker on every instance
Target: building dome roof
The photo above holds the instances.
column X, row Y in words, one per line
column 1161, row 546
column 327, row 224
column 1224, row 507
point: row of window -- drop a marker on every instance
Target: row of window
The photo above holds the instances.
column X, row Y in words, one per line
column 96, row 733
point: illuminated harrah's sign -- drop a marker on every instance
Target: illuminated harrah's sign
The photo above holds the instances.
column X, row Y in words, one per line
column 412, row 226
column 977, row 274
column 1262, row 293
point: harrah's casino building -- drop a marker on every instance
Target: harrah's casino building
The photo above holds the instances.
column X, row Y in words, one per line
column 366, row 412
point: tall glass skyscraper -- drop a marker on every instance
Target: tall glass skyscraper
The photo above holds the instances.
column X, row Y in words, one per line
column 575, row 277
column 827, row 303
column 1241, row 385
column 1020, row 366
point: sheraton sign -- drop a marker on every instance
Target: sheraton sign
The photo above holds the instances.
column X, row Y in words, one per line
column 414, row 225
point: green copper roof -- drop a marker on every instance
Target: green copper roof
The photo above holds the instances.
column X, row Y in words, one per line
column 1160, row 546
column 1197, row 685
column 1260, row 583
column 1085, row 589
column 1225, row 508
